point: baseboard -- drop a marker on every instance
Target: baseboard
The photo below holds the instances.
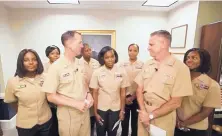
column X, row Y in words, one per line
column 8, row 124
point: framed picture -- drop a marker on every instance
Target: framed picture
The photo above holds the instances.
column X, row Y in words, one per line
column 97, row 39
column 179, row 36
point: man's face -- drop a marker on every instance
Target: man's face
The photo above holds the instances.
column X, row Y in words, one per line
column 87, row 52
column 155, row 45
column 75, row 44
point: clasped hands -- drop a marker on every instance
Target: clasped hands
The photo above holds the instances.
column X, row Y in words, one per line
column 85, row 104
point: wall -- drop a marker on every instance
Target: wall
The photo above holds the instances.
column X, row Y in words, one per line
column 8, row 51
column 38, row 28
column 209, row 12
column 184, row 14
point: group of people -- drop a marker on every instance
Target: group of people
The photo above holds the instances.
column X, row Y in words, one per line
column 85, row 93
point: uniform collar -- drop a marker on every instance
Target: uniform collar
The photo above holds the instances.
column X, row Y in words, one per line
column 170, row 60
column 67, row 62
column 82, row 59
column 110, row 70
column 26, row 78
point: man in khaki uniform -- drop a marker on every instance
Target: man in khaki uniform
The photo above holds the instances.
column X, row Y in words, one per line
column 65, row 85
column 90, row 65
column 162, row 83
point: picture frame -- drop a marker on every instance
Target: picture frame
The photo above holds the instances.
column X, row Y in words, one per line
column 179, row 36
column 97, row 39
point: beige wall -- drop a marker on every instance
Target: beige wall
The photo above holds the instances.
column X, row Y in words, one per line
column 209, row 12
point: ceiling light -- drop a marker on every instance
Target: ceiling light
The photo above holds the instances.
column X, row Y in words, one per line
column 63, row 1
column 159, row 3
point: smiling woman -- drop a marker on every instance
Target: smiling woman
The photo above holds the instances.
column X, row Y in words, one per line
column 23, row 92
column 194, row 111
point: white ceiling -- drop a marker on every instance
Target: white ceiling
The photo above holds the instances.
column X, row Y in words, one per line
column 90, row 4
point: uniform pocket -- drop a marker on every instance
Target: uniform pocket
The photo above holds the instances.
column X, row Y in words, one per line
column 168, row 79
column 199, row 96
column 66, row 77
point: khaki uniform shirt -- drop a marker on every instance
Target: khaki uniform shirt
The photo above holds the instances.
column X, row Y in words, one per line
column 109, row 83
column 46, row 67
column 33, row 107
column 170, row 79
column 132, row 70
column 207, row 94
column 66, row 78
column 90, row 67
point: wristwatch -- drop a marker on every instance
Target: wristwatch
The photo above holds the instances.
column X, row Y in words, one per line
column 151, row 116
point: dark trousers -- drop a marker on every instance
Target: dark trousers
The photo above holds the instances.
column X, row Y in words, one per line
column 93, row 122
column 134, row 117
column 37, row 130
column 192, row 132
column 110, row 118
column 54, row 129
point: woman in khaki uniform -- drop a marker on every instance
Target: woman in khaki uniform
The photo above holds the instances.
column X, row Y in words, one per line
column 193, row 114
column 24, row 92
column 108, row 84
column 132, row 67
column 90, row 65
column 53, row 53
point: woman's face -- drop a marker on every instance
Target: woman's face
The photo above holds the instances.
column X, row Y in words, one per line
column 54, row 55
column 109, row 59
column 30, row 62
column 133, row 52
column 193, row 60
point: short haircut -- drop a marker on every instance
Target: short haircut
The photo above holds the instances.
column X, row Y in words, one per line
column 205, row 60
column 162, row 33
column 68, row 35
column 20, row 70
column 49, row 49
column 103, row 51
column 133, row 44
column 84, row 46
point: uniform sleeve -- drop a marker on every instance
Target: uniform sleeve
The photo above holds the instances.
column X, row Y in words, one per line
column 182, row 85
column 125, row 82
column 139, row 78
column 94, row 83
column 213, row 96
column 9, row 93
column 51, row 82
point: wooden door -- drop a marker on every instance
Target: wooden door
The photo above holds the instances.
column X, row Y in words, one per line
column 211, row 38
